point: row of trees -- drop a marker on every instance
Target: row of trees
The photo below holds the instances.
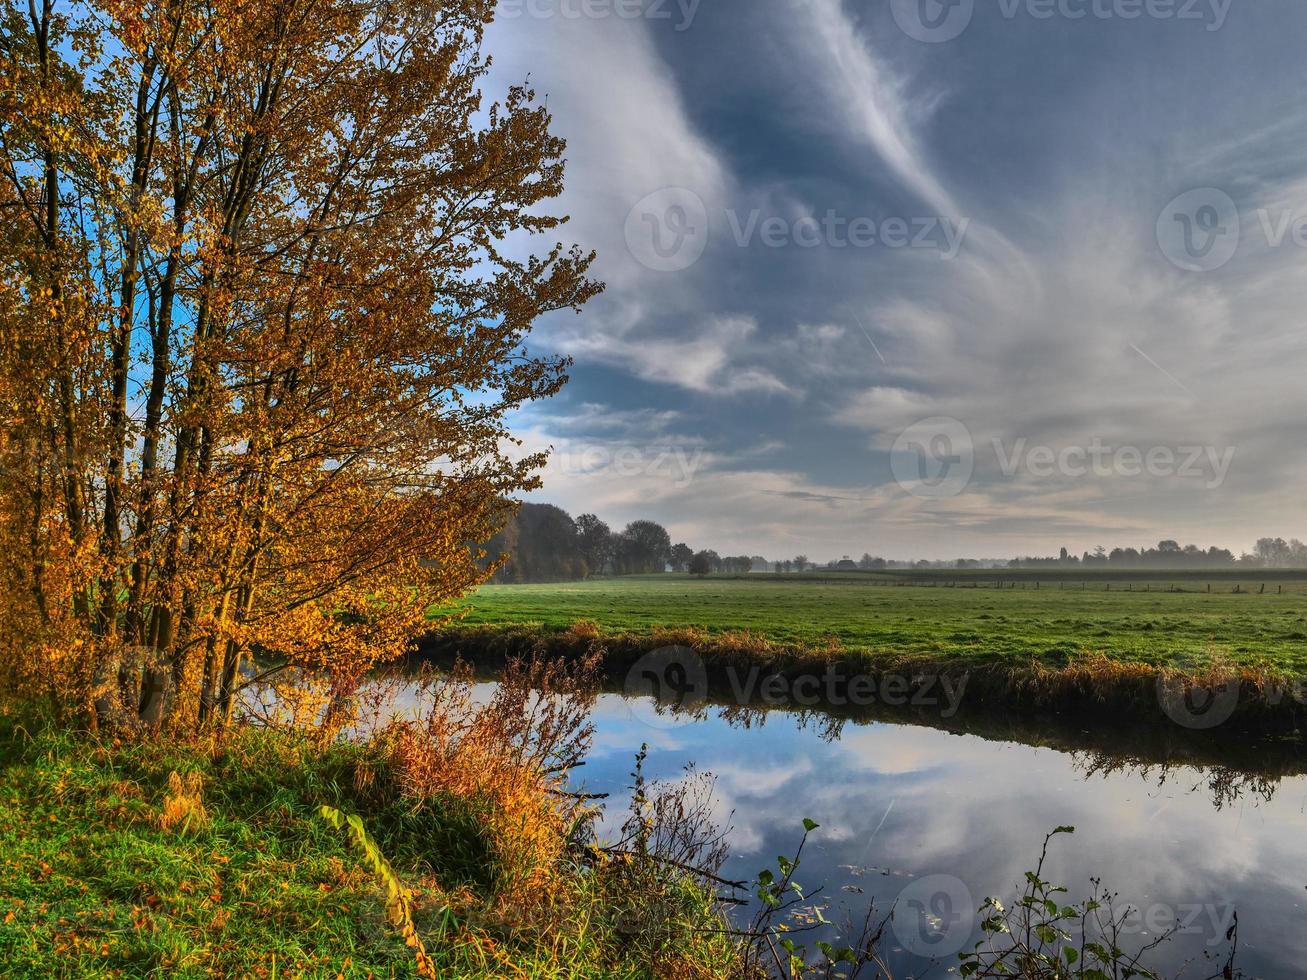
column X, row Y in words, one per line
column 1167, row 554
column 1268, row 553
column 543, row 543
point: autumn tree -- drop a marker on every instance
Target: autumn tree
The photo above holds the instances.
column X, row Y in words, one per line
column 265, row 285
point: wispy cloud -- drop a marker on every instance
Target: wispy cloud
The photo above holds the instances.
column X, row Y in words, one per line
column 1060, row 320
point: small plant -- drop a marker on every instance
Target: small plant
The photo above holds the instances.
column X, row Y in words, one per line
column 1040, row 938
column 659, row 878
column 399, row 898
column 785, row 910
column 183, row 805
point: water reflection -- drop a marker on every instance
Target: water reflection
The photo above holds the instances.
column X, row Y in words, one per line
column 1185, row 827
column 1183, row 841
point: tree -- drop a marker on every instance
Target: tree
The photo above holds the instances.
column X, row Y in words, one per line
column 801, row 562
column 278, row 221
column 680, row 557
column 644, row 547
column 1273, row 552
column 701, row 564
column 546, row 547
column 596, row 542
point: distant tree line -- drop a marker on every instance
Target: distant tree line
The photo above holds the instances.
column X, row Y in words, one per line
column 546, row 544
column 1268, row 553
column 1167, row 554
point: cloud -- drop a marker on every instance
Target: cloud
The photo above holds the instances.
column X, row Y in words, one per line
column 708, row 361
column 873, row 100
column 1059, row 322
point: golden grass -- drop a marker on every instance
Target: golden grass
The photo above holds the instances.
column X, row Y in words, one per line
column 183, row 805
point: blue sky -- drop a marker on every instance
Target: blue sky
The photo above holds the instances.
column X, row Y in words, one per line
column 1070, row 242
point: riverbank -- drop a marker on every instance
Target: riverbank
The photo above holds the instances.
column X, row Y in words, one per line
column 751, row 669
column 210, row 857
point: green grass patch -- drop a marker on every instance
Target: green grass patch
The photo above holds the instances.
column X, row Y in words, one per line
column 96, row 882
column 1151, row 619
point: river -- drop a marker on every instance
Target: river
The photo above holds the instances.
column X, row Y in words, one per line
column 935, row 821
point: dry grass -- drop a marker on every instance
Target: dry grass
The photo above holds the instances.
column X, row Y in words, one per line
column 507, row 759
column 183, row 806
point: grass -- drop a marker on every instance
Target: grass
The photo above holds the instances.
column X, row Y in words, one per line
column 208, row 857
column 948, row 615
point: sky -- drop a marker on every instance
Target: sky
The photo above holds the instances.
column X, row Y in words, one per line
column 928, row 280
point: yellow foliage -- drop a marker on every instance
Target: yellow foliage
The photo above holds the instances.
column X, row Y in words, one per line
column 513, row 754
column 257, row 356
column 183, row 805
column 399, row 898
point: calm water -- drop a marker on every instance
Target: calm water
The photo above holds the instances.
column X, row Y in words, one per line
column 900, row 806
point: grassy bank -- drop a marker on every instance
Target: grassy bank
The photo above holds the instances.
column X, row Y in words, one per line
column 208, row 857
column 1244, row 621
column 1130, row 650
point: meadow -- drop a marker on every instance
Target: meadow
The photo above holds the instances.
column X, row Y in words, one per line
column 1187, row 620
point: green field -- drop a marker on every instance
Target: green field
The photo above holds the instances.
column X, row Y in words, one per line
column 1154, row 618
